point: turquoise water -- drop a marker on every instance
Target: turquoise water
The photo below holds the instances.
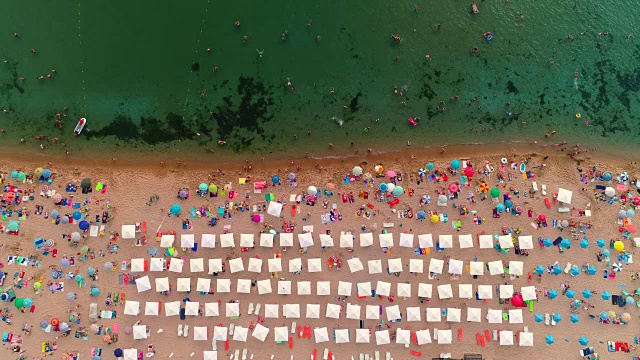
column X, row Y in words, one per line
column 141, row 74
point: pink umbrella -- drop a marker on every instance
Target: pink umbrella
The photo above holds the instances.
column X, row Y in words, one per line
column 453, row 188
column 391, row 173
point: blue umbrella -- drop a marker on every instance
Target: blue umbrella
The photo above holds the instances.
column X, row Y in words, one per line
column 591, row 270
column 96, row 357
column 275, row 179
column 95, row 291
column 565, row 243
column 587, row 293
column 64, row 263
column 464, row 179
column 422, row 215
column 108, row 266
column 600, row 243
column 550, row 339
column 430, row 166
column 539, row 318
column 64, row 219
column 77, row 215
column 604, row 315
column 575, row 271
column 14, row 174
column 117, row 352
column 500, row 207
column 54, row 214
column 607, row 176
column 46, row 173
column 629, row 300
column 203, row 187
column 583, row 340
column 553, row 293
column 547, row 242
column 28, row 302
column 91, row 271
column 606, row 252
column 422, row 172
column 606, row 295
column 570, row 294
column 83, row 225
column 575, row 318
column 540, row 270
column 584, row 243
column 382, row 187
column 557, row 269
column 557, row 317
column 79, row 278
column 175, row 209
column 44, row 324
column 455, row 164
column 508, row 203
column 153, row 251
column 631, row 213
column 292, row 176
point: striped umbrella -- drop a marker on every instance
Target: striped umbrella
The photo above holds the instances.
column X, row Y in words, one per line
column 422, row 172
column 367, row 177
column 484, row 188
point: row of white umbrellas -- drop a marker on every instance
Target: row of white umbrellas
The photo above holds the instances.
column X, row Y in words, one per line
column 346, row 240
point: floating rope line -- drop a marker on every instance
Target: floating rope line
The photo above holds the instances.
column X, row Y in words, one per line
column 186, row 100
column 83, row 86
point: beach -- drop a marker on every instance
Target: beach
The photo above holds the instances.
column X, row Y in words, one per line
column 144, row 193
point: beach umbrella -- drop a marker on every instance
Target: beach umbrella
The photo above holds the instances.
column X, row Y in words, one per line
column 484, row 188
column 434, row 218
column 64, row 220
column 275, row 179
column 54, row 214
column 455, row 164
column 626, row 317
column 557, row 317
column 570, row 294
column 38, row 171
column 77, row 215
column 84, row 250
column 539, row 318
column 618, row 246
column 292, row 176
column 382, row 187
column 606, row 253
column 422, row 172
column 71, row 296
column 600, row 243
column 508, row 203
column 575, row 318
column 64, row 263
column 95, row 291
column 203, row 187
column 622, row 214
column 37, row 285
column 390, row 187
column 357, row 171
column 564, row 223
column 367, row 177
column 182, row 194
column 398, row 190
column 617, row 267
column 175, row 209
column 500, row 207
column 607, row 176
column 108, row 266
column 44, row 324
column 75, row 236
column 604, row 315
column 583, row 340
column 85, row 184
column 575, row 271
column 391, row 174
column 553, row 293
column 550, row 339
column 83, row 225
column 118, row 352
column 18, row 303
column 430, row 166
column 547, row 242
column 495, row 193
column 46, row 173
column 64, row 327
column 591, row 270
column 453, row 188
column 13, row 226
column 609, row 191
column 312, row 190
column 91, row 271
column 631, row 213
column 584, row 243
column 421, row 215
column 557, row 269
column 587, row 293
column 79, row 278
column 606, row 295
column 213, row 188
column 630, row 300
column 14, row 174
column 565, row 243
column 540, row 270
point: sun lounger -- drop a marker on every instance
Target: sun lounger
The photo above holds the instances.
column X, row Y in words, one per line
column 534, row 186
column 388, row 356
column 258, row 307
column 251, row 308
column 547, row 319
column 544, row 189
column 567, row 268
column 236, row 354
column 244, row 354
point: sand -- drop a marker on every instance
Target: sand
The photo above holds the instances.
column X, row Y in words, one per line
column 130, row 187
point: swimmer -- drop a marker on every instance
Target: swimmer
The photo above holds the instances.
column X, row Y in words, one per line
column 237, row 23
column 330, row 145
column 474, row 50
column 215, row 68
column 629, row 36
column 318, row 38
column 309, row 132
column 428, row 57
column 1, row 131
column 260, row 53
column 416, row 9
column 15, row 35
column 221, row 142
column 438, row 26
column 21, row 79
column 284, row 35
column 397, row 58
column 33, row 51
column 244, row 38
column 53, row 70
column 310, row 24
column 332, row 91
column 208, row 49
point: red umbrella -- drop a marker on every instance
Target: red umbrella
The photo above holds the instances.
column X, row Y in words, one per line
column 517, row 301
column 468, row 172
column 542, row 218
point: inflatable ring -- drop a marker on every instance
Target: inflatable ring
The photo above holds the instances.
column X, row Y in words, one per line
column 64, row 357
column 503, row 160
column 578, row 115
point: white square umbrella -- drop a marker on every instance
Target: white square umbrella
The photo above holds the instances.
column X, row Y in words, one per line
column 326, row 240
column 172, row 308
column 240, row 333
column 425, row 290
column 266, row 240
column 436, row 266
column 156, row 264
column 208, row 241
column 474, row 315
column 314, row 265
column 353, row 311
column 227, row 240
column 445, row 291
column 137, row 265
column 403, row 336
column 291, row 311
column 220, row 333
column 162, row 284
column 175, row 265
column 466, row 241
column 184, row 285
column 333, row 311
column 210, row 355
column 454, row 314
column 386, row 240
column 372, row 312
column 323, row 288
column 476, row 268
column 196, row 265
column 305, row 239
column 286, row 239
column 516, row 268
column 271, row 311
column 364, row 289
column 363, row 336
column 486, row 241
column 425, row 241
column 275, row 264
column 143, row 284
column 260, row 332
column 341, row 336
column 130, row 354
column 295, row 265
column 128, row 232
column 211, row 309
column 203, row 285
column 494, row 316
column 465, row 291
column 525, row 242
column 382, row 337
column 383, row 288
column 247, row 241
column 366, row 239
column 515, row 316
column 526, row 339
column 423, row 337
column 274, row 208
column 355, row 265
column 321, row 335
column 243, row 286
column 506, row 291
column 255, row 265
column 406, row 240
column 455, row 266
column 264, row 286
column 495, row 267
column 416, row 266
column 131, row 307
column 505, row 241
column 528, row 292
column 223, row 285
column 280, row 334
column 191, row 308
column 434, row 314
column 414, row 313
column 404, row 290
column 393, row 313
column 445, row 241
column 200, row 333
column 344, row 288
column 346, row 240
column 215, row 266
column 236, row 265
column 444, row 337
column 313, row 311
column 166, row 241
column 485, row 292
column 232, row 310
column 375, row 266
column 304, row 287
column 395, row 265
column 152, row 308
column 564, row 195
column 506, row 337
column 187, row 241
column 284, row 287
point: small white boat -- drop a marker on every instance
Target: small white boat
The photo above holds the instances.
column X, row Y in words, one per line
column 80, row 126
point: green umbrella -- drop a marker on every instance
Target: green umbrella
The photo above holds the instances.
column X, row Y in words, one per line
column 85, row 184
column 14, row 226
column 495, row 193
column 19, row 303
column 213, row 188
column 84, row 250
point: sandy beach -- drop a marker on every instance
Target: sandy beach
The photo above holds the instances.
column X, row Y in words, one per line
column 145, row 193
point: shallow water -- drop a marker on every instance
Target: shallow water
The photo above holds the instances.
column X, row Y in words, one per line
column 142, row 75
